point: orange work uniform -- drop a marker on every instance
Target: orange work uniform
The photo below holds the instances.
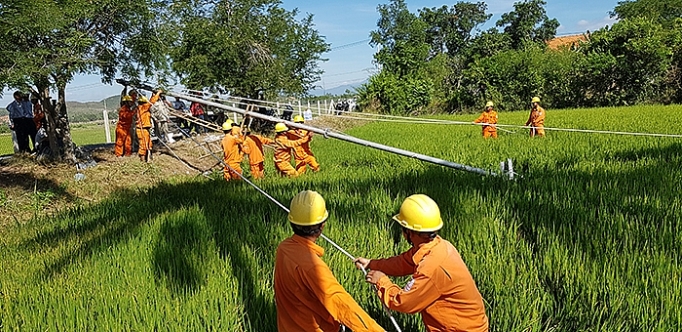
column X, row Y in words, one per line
column 283, row 149
column 232, row 156
column 303, row 156
column 124, row 139
column 489, row 117
column 254, row 148
column 308, row 296
column 144, row 123
column 441, row 289
column 537, row 121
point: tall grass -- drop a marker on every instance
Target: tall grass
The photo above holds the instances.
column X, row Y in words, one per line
column 589, row 239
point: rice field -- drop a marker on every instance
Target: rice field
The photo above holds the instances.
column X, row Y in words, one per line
column 82, row 134
column 588, row 239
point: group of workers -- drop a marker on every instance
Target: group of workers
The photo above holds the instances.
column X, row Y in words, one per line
column 135, row 108
column 239, row 141
column 26, row 118
column 536, row 120
column 442, row 290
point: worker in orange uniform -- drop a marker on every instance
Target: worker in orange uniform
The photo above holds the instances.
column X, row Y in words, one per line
column 489, row 120
column 233, row 151
column 536, row 119
column 307, row 295
column 253, row 146
column 143, row 125
column 303, row 156
column 283, row 148
column 124, row 139
column 441, row 288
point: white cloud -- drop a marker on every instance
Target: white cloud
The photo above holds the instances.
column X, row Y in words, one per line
column 595, row 25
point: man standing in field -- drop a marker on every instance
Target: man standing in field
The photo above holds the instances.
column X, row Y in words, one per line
column 144, row 124
column 283, row 149
column 441, row 289
column 124, row 139
column 21, row 121
column 489, row 119
column 303, row 156
column 232, row 151
column 536, row 119
column 307, row 295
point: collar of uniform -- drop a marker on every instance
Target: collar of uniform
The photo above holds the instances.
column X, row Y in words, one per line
column 424, row 249
column 319, row 251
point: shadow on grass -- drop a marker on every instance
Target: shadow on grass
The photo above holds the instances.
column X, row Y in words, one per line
column 246, row 226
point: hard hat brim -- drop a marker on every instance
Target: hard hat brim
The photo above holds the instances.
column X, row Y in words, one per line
column 416, row 228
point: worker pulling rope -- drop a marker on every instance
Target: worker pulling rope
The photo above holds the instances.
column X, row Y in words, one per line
column 276, row 202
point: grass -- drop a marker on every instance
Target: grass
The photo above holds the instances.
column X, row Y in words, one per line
column 588, row 240
column 81, row 134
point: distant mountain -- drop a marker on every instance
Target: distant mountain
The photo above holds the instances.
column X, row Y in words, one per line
column 339, row 90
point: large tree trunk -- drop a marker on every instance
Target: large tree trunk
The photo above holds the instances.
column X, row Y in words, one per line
column 51, row 116
column 63, row 125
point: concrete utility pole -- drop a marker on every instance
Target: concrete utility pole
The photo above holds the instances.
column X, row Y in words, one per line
column 343, row 137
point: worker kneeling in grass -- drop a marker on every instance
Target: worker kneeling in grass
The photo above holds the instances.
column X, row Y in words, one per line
column 308, row 296
column 441, row 288
column 232, row 151
column 302, row 154
column 283, row 150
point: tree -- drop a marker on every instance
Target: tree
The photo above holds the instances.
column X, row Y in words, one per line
column 245, row 46
column 402, row 37
column 661, row 11
column 528, row 23
column 451, row 30
column 46, row 42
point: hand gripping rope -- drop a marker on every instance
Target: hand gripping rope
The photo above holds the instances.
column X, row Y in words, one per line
column 364, row 271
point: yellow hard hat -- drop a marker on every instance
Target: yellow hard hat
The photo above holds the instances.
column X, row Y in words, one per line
column 280, row 127
column 227, row 125
column 127, row 98
column 307, row 209
column 419, row 213
column 535, row 100
column 299, row 119
column 489, row 104
column 142, row 99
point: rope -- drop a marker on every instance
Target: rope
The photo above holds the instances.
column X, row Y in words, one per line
column 395, row 324
column 499, row 126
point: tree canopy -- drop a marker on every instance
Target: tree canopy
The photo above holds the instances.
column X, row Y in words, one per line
column 636, row 60
column 245, row 46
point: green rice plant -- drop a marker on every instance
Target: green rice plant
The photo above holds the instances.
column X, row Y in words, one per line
column 589, row 237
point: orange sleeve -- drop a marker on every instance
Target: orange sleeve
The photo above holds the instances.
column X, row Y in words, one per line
column 396, row 266
column 340, row 305
column 493, row 119
column 289, row 143
column 266, row 140
column 155, row 97
column 480, row 119
column 422, row 293
column 246, row 146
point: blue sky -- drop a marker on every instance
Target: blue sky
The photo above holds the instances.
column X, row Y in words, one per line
column 346, row 26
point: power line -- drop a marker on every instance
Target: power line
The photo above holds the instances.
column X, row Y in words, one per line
column 340, row 47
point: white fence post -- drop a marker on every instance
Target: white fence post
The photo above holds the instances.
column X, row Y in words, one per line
column 319, row 111
column 300, row 111
column 107, row 131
